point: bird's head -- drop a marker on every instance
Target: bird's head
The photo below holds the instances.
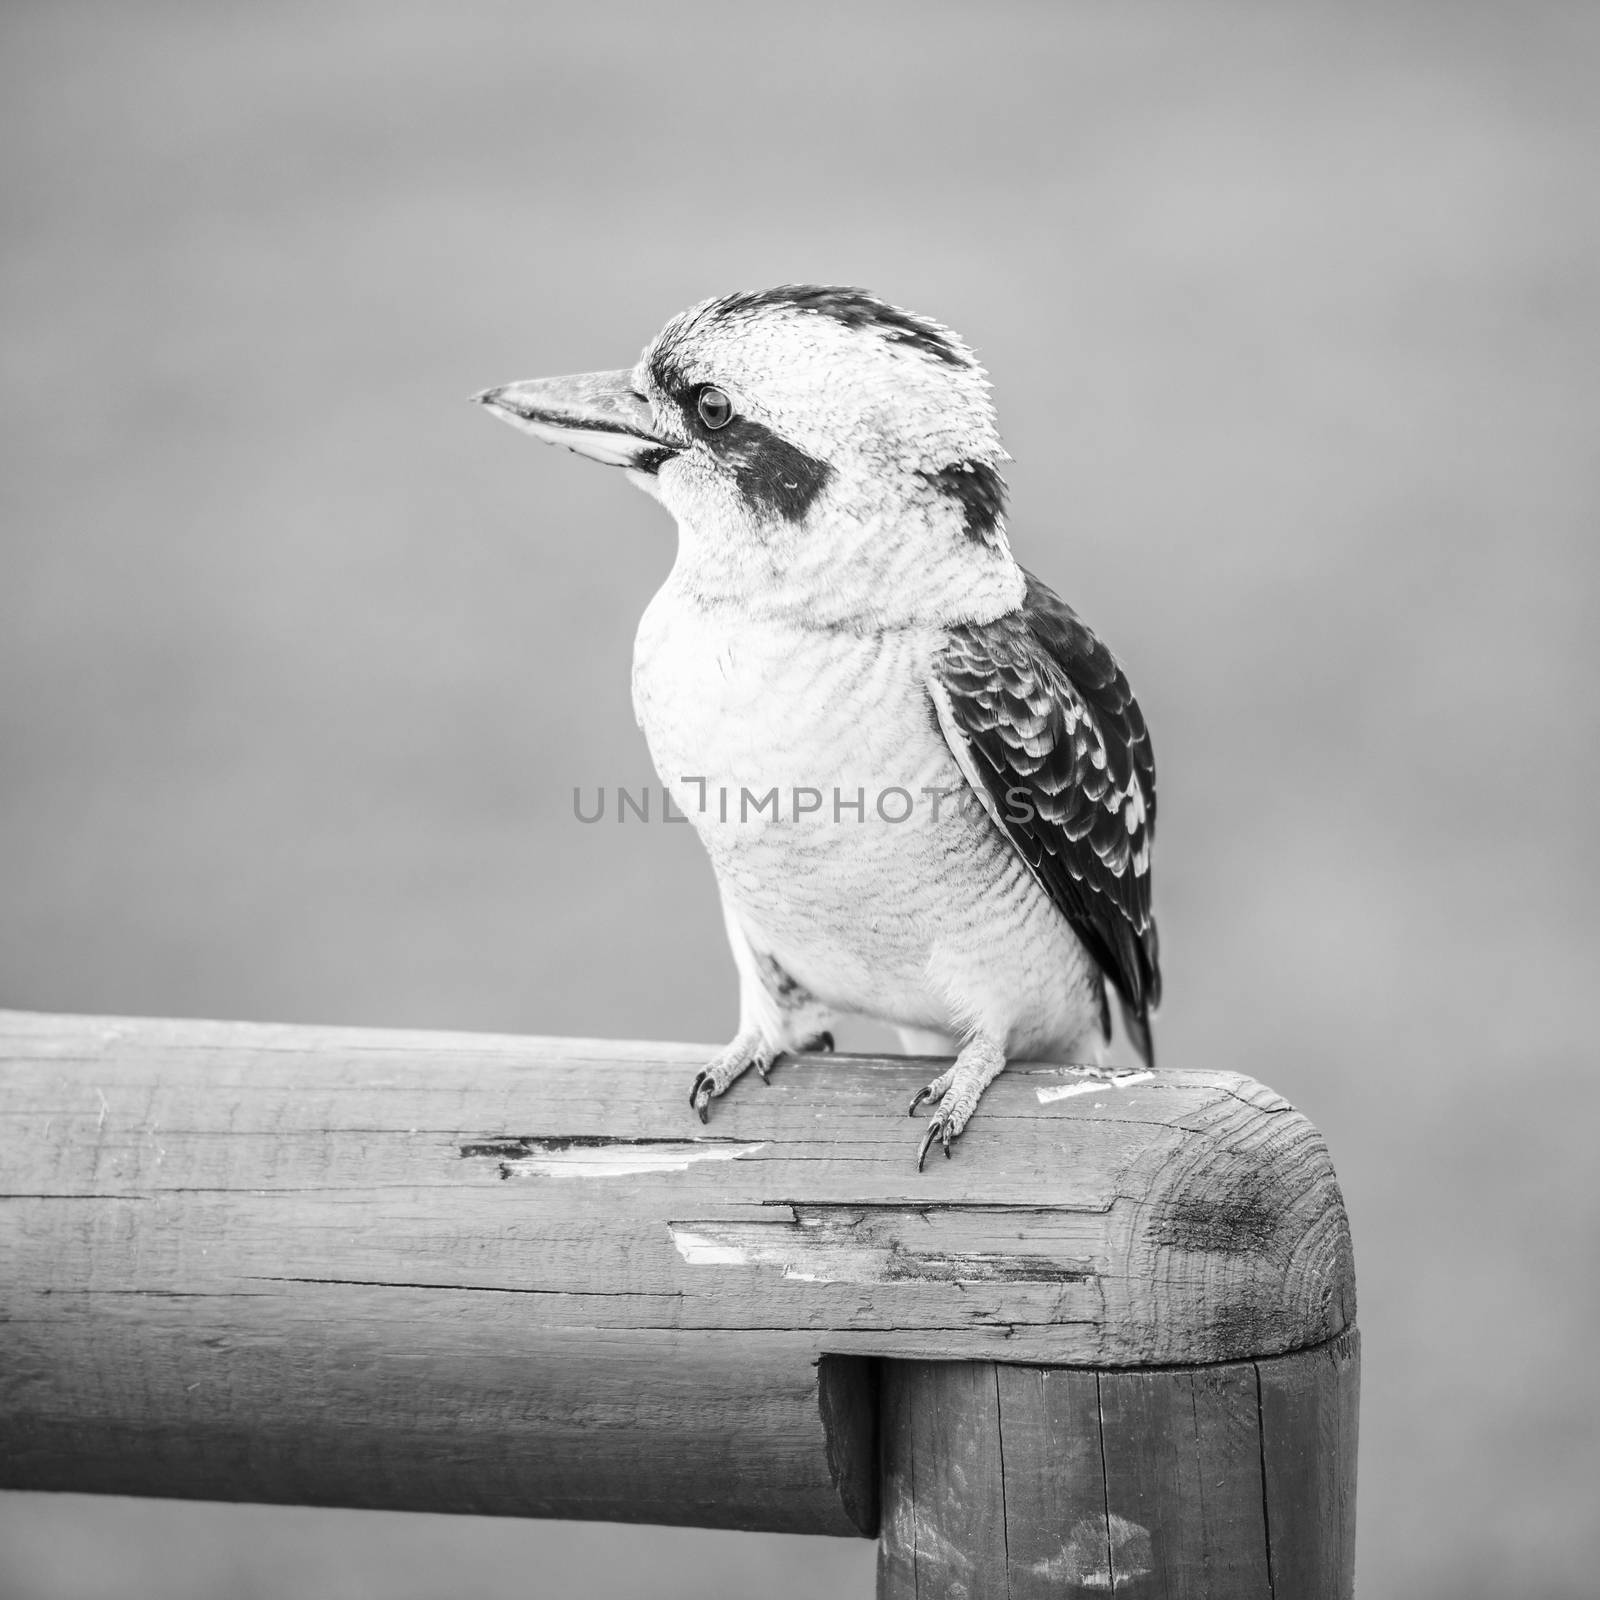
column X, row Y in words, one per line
column 827, row 456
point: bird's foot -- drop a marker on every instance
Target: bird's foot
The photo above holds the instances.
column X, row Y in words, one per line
column 957, row 1091
column 749, row 1049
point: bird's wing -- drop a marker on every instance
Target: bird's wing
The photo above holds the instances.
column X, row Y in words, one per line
column 1044, row 726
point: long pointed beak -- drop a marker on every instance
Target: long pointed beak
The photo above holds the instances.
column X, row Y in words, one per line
column 597, row 414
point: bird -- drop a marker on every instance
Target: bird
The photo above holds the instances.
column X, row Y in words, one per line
column 925, row 786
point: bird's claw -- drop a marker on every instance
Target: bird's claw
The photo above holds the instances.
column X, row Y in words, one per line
column 938, row 1128
column 722, row 1071
column 700, row 1095
column 950, row 1114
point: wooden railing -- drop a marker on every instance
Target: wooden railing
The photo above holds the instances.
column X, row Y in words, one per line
column 1110, row 1347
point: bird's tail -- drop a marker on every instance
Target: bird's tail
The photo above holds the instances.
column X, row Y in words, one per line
column 1136, row 1024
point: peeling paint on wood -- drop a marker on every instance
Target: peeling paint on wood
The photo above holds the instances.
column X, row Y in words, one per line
column 1099, row 1555
column 600, row 1157
column 1094, row 1083
column 881, row 1245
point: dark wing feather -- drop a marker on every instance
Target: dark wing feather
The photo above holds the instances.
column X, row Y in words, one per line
column 1042, row 721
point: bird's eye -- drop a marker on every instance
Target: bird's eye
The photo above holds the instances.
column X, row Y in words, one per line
column 715, row 408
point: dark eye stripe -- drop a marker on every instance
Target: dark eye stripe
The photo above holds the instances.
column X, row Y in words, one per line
column 776, row 478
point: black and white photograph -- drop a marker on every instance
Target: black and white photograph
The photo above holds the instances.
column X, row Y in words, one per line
column 948, row 955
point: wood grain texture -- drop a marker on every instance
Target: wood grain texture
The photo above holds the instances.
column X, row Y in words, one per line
column 1182, row 1461
column 1226, row 1482
column 496, row 1274
column 1309, row 1435
column 944, row 1477
column 1055, row 1506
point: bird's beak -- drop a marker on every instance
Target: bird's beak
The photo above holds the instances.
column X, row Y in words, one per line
column 597, row 414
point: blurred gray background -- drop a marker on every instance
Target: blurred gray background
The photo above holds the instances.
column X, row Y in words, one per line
column 1292, row 315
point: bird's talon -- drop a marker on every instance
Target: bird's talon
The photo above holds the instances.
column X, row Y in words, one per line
column 927, row 1141
column 924, row 1093
column 765, row 1070
column 700, row 1094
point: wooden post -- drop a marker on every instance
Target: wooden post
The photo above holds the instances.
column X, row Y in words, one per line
column 1108, row 1348
column 1230, row 1482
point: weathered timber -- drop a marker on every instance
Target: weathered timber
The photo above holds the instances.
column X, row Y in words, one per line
column 1227, row 1482
column 476, row 1273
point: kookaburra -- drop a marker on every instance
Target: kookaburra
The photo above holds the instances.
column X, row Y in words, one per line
column 965, row 789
